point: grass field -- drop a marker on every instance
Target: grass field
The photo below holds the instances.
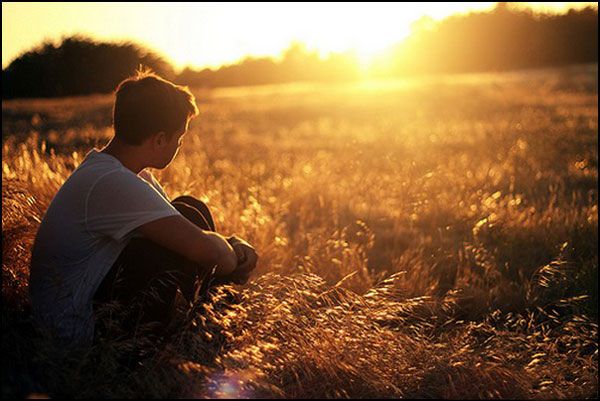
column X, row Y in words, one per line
column 423, row 238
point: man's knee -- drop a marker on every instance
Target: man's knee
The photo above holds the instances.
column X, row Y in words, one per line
column 196, row 211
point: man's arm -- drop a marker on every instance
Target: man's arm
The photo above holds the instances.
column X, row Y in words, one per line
column 206, row 248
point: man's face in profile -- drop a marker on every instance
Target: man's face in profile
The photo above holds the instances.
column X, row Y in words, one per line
column 171, row 148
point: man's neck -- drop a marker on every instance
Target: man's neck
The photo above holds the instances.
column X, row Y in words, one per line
column 130, row 156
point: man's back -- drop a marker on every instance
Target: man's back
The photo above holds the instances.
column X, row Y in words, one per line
column 86, row 226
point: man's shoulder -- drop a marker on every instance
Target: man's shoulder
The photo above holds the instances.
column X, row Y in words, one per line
column 102, row 175
column 90, row 172
column 95, row 165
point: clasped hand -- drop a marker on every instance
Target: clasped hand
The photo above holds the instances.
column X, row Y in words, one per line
column 247, row 259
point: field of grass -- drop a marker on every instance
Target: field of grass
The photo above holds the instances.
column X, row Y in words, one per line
column 424, row 238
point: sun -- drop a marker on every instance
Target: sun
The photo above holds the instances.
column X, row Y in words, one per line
column 364, row 31
column 368, row 51
column 370, row 31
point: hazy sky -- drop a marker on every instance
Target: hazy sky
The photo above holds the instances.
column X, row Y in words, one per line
column 212, row 34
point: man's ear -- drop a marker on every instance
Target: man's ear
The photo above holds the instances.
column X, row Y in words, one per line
column 160, row 139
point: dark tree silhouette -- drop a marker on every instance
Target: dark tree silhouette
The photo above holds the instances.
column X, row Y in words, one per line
column 77, row 66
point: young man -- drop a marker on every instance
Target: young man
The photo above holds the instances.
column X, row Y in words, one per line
column 111, row 232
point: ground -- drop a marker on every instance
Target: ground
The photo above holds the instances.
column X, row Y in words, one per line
column 432, row 237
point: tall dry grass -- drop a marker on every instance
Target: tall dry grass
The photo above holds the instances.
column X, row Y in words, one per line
column 433, row 238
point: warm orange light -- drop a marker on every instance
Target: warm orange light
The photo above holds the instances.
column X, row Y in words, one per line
column 210, row 34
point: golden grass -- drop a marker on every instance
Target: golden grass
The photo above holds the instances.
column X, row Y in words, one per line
column 433, row 239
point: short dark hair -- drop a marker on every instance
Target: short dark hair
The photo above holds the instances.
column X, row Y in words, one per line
column 146, row 104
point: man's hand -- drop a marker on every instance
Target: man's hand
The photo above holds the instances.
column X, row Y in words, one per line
column 247, row 259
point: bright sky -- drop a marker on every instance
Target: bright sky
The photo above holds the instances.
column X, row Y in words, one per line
column 212, row 34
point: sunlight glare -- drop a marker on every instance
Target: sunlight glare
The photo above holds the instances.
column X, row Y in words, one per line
column 211, row 34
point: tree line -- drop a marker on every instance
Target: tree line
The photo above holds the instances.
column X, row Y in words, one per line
column 504, row 38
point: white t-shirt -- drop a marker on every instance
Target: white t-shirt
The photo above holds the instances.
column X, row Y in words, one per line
column 88, row 223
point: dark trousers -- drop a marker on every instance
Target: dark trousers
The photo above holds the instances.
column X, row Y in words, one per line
column 145, row 278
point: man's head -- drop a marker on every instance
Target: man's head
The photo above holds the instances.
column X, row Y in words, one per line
column 152, row 112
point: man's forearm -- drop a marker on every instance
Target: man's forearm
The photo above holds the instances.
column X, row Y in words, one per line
column 222, row 254
column 206, row 248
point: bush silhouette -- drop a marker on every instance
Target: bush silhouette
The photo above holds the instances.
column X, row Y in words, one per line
column 77, row 66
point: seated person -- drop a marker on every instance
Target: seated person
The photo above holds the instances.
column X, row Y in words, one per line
column 111, row 233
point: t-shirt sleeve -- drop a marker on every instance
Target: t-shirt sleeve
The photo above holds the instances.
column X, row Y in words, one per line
column 119, row 202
